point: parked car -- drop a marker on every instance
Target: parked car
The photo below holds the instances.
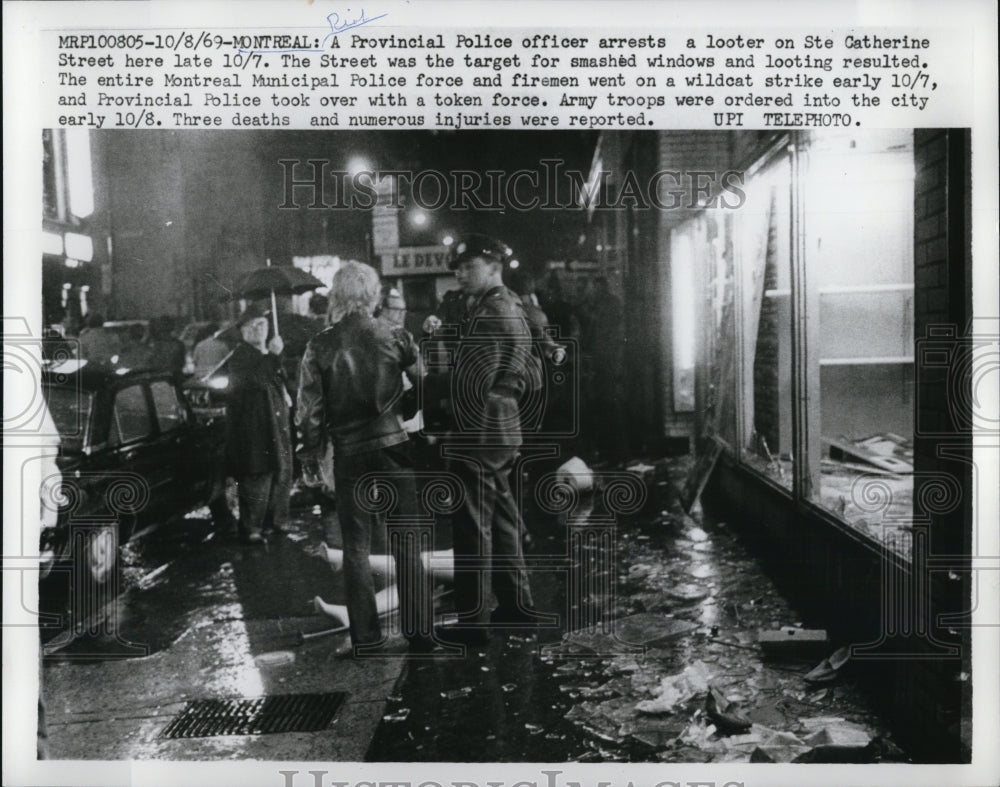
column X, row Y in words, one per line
column 207, row 396
column 131, row 454
column 139, row 328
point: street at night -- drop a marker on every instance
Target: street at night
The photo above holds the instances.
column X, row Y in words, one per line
column 487, row 446
column 217, row 620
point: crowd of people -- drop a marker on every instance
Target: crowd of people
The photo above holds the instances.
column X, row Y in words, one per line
column 353, row 443
column 129, row 345
column 344, row 382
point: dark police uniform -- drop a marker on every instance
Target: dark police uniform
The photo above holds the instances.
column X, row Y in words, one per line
column 489, row 377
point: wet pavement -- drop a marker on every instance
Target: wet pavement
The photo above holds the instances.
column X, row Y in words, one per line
column 651, row 614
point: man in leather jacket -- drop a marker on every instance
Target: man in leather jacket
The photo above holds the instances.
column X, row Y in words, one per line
column 350, row 388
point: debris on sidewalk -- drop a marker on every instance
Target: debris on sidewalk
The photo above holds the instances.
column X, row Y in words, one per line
column 669, row 663
column 724, row 713
column 675, row 689
column 793, row 641
column 779, row 747
column 829, row 668
column 624, row 635
column 688, row 592
column 275, row 658
column 701, row 690
column 454, row 694
column 575, row 473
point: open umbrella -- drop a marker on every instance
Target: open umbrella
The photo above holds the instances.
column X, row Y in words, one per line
column 274, row 280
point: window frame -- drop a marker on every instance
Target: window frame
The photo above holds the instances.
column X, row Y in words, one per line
column 784, row 144
column 180, row 403
column 153, row 432
column 806, row 426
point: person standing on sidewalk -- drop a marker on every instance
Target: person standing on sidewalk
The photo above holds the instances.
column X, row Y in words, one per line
column 350, row 388
column 490, row 374
column 258, row 429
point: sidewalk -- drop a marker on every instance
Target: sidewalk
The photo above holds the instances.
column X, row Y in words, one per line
column 680, row 602
column 677, row 604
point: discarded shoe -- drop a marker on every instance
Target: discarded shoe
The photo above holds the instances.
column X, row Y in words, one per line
column 724, row 714
column 828, row 669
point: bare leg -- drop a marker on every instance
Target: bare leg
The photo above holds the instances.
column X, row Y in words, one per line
column 440, row 563
column 386, row 600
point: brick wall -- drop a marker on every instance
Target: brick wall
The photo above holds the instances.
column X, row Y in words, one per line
column 942, row 436
column 942, row 306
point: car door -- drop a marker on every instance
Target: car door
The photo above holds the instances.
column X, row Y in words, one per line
column 136, row 447
column 181, row 448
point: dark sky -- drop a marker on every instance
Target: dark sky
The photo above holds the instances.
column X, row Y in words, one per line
column 535, row 235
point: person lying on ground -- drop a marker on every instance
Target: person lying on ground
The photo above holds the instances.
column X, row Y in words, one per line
column 439, row 563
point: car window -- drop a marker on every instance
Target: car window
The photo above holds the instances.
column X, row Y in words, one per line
column 70, row 408
column 170, row 411
column 130, row 417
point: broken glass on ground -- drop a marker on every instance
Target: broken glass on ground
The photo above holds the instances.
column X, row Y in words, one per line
column 687, row 592
column 609, row 682
column 454, row 694
column 625, row 635
column 676, row 689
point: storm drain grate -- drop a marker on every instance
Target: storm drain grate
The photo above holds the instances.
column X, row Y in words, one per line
column 257, row 716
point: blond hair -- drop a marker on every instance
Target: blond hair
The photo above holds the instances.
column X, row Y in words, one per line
column 356, row 290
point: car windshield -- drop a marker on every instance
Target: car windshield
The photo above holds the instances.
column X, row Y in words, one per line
column 71, row 409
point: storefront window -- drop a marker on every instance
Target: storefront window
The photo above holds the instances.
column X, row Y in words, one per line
column 700, row 261
column 857, row 209
column 762, row 244
column 683, row 316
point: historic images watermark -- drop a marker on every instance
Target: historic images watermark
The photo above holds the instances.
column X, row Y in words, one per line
column 547, row 778
column 316, row 185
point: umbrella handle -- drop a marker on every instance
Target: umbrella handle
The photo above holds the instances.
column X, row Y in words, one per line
column 274, row 305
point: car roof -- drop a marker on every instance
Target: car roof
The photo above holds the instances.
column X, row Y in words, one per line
column 120, row 323
column 90, row 376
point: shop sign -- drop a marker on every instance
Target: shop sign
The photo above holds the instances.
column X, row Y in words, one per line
column 416, row 261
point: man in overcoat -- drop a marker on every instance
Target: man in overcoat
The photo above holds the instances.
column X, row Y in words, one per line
column 258, row 429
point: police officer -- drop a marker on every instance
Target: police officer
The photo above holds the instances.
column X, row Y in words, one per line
column 489, row 376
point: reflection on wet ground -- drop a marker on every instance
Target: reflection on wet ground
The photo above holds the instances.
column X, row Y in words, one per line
column 656, row 615
column 677, row 611
column 174, row 577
